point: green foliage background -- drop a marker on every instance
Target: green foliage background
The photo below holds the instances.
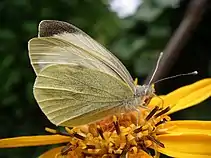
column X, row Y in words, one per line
column 136, row 40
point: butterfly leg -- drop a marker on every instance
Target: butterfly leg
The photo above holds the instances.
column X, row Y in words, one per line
column 138, row 116
column 138, row 110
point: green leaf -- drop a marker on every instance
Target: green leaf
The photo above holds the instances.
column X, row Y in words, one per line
column 148, row 13
column 158, row 31
column 167, row 3
column 145, row 62
column 125, row 48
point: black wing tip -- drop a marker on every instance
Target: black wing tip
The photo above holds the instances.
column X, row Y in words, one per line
column 48, row 28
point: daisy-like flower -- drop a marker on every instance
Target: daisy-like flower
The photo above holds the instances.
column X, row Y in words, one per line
column 121, row 137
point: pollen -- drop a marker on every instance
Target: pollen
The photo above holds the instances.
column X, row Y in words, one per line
column 117, row 136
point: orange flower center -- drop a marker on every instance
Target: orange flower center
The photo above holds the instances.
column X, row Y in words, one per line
column 112, row 137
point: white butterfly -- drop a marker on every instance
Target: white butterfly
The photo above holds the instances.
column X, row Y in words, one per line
column 78, row 80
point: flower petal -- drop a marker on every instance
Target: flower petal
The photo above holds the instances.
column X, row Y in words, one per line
column 187, row 126
column 140, row 154
column 180, row 93
column 186, row 145
column 33, row 141
column 194, row 97
column 157, row 100
column 52, row 152
column 186, row 96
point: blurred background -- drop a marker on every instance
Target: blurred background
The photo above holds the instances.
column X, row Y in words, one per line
column 136, row 31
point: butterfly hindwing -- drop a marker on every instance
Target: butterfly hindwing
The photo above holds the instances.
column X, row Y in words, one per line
column 72, row 95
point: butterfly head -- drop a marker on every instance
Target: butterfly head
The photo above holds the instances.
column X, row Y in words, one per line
column 145, row 92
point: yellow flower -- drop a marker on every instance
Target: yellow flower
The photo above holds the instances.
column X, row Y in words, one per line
column 120, row 135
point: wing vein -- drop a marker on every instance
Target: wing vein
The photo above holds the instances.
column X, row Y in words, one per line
column 81, row 83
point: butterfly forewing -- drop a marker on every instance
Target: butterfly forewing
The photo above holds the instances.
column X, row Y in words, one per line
column 72, row 95
column 75, row 36
column 49, row 50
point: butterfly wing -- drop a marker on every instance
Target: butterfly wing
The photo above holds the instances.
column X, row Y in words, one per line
column 49, row 50
column 72, row 95
column 79, row 40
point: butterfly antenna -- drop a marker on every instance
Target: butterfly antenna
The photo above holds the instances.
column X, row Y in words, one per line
column 186, row 74
column 156, row 68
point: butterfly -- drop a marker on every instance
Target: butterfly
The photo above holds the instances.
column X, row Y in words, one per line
column 78, row 81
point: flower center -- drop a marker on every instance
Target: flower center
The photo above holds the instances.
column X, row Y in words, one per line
column 117, row 137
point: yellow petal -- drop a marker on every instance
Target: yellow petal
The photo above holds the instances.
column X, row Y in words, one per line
column 140, row 154
column 184, row 91
column 184, row 97
column 33, row 141
column 157, row 100
column 180, row 93
column 188, row 127
column 186, row 145
column 196, row 156
column 194, row 97
column 52, row 152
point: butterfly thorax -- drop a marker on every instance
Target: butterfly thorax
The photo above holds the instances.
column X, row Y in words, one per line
column 145, row 90
column 144, row 93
